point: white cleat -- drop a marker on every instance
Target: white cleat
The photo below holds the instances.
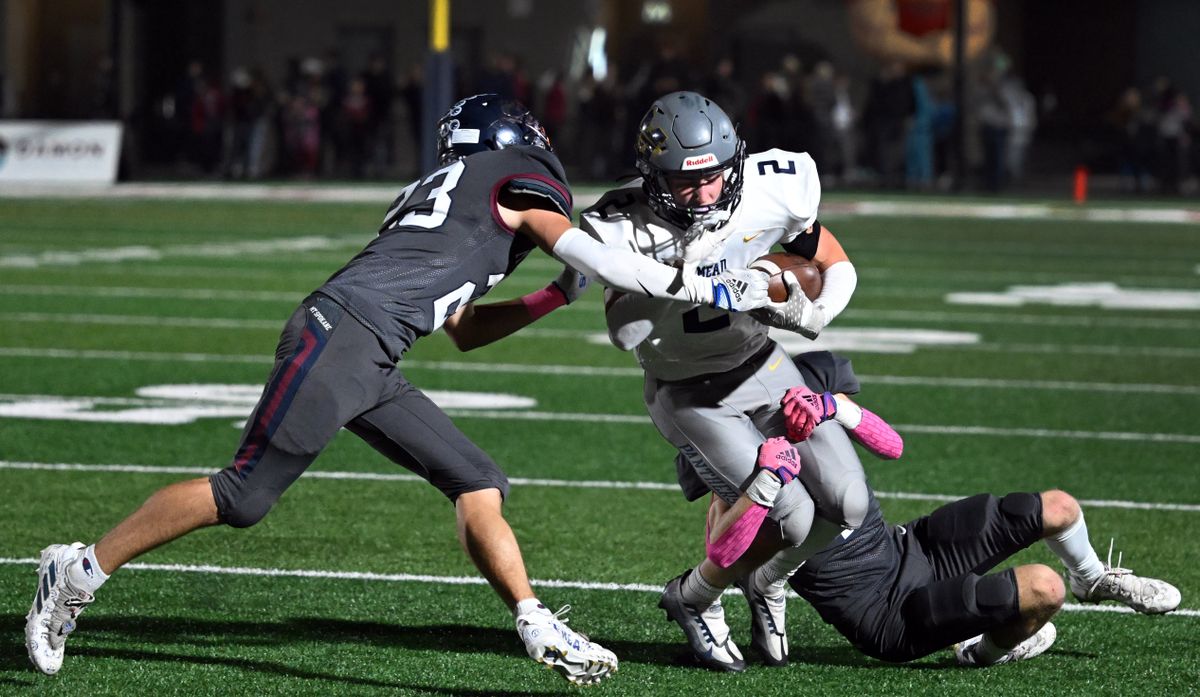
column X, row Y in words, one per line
column 56, row 605
column 1035, row 645
column 705, row 628
column 768, row 631
column 1148, row 596
column 549, row 641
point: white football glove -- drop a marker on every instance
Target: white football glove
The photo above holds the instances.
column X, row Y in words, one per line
column 736, row 290
column 796, row 314
column 572, row 284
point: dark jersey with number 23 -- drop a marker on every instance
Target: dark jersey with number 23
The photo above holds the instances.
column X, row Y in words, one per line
column 443, row 244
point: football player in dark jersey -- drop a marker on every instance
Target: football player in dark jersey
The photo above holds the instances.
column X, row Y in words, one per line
column 900, row 592
column 448, row 238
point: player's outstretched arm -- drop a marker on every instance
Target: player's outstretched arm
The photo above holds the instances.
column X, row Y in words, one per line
column 479, row 325
column 625, row 270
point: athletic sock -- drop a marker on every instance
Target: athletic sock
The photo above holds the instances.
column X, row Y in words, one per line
column 771, row 578
column 524, row 607
column 988, row 652
column 1074, row 548
column 696, row 590
column 85, row 573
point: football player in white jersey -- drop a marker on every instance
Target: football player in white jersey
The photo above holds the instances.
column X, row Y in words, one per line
column 715, row 380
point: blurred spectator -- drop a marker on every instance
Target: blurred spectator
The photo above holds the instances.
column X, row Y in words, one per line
column 1135, row 132
column 249, row 107
column 994, row 123
column 668, row 72
column 381, row 92
column 200, row 104
column 598, row 141
column 522, row 87
column 886, row 117
column 353, row 121
column 1174, row 138
column 1022, row 107
column 553, row 106
column 820, row 101
column 302, row 131
column 411, row 90
column 724, row 89
column 499, row 77
column 845, row 123
column 769, row 116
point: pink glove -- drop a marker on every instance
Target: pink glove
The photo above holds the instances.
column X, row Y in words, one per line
column 804, row 409
column 779, row 457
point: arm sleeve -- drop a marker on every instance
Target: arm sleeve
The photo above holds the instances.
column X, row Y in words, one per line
column 838, row 284
column 628, row 271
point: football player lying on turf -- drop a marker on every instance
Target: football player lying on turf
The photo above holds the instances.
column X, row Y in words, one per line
column 900, row 592
column 499, row 191
column 714, row 380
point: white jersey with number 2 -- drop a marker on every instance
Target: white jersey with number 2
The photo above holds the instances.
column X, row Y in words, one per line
column 780, row 196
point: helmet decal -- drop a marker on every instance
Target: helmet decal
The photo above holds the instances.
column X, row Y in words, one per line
column 701, row 162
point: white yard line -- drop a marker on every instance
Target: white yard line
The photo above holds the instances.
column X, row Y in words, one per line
column 385, row 193
column 533, row 482
column 166, row 293
column 602, row 371
column 639, row 419
column 532, row 369
column 538, row 332
column 469, row 581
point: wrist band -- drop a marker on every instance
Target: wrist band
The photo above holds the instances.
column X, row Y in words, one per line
column 544, row 301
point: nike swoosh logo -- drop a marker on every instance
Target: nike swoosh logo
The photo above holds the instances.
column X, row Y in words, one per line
column 775, row 365
column 748, row 238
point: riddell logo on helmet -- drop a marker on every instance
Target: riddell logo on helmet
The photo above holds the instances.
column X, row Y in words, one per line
column 698, row 162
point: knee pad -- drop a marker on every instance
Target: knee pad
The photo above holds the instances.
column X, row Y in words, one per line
column 248, row 510
column 996, row 596
column 856, row 500
column 1020, row 505
column 238, row 506
column 954, row 609
column 797, row 522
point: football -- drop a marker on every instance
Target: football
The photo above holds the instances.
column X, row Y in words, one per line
column 775, row 264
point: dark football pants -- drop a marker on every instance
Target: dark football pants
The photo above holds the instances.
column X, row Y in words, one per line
column 331, row 371
column 942, row 595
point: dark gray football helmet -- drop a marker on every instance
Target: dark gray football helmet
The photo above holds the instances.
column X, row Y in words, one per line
column 685, row 133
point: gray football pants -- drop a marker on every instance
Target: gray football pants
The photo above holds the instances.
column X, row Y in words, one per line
column 718, row 422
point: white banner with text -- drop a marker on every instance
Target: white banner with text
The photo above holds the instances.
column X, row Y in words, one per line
column 59, row 151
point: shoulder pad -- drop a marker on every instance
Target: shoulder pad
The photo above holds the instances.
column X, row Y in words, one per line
column 536, row 171
column 785, row 181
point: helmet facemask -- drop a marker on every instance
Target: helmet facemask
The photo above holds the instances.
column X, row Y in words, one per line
column 695, row 220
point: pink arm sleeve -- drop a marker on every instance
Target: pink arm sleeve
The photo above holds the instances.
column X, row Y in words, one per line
column 874, row 434
column 736, row 540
